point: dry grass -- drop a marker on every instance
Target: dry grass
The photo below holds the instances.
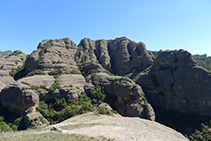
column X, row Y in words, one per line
column 46, row 136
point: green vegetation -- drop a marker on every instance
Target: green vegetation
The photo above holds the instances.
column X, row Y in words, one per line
column 195, row 127
column 75, row 72
column 19, row 73
column 56, row 73
column 57, row 110
column 55, row 86
column 35, row 72
column 43, row 49
column 13, row 54
column 57, row 62
column 142, row 100
column 204, row 62
column 9, row 121
column 123, row 79
column 203, row 134
column 55, row 136
column 148, row 68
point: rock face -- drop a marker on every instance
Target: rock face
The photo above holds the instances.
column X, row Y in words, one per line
column 120, row 56
column 175, row 82
column 5, row 80
column 35, row 119
column 127, row 92
column 53, row 54
column 119, row 128
column 12, row 61
column 18, row 100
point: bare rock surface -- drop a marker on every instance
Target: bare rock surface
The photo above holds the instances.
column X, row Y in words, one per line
column 119, row 56
column 126, row 92
column 5, row 79
column 176, row 82
column 119, row 128
column 37, row 80
column 18, row 100
column 12, row 61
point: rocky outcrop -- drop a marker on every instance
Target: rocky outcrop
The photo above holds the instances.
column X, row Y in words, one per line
column 35, row 119
column 118, row 128
column 53, row 54
column 119, row 56
column 175, row 82
column 4, row 53
column 5, row 79
column 128, row 94
column 12, row 61
column 18, row 100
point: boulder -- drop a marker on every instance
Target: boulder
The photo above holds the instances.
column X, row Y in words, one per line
column 18, row 100
column 35, row 119
column 126, row 92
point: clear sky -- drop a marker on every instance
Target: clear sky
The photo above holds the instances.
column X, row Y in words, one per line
column 160, row 24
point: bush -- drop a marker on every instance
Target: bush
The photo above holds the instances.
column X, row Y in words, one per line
column 55, row 86
column 4, row 127
column 56, row 72
column 102, row 110
column 1, row 118
column 97, row 94
column 35, row 72
column 95, row 80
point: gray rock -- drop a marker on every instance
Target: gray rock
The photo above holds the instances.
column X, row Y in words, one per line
column 35, row 119
column 12, row 61
column 18, row 100
column 127, row 92
column 175, row 82
column 6, row 79
column 119, row 56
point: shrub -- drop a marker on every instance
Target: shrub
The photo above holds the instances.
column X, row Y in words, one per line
column 14, row 54
column 35, row 72
column 56, row 72
column 4, row 127
column 55, row 86
column 97, row 94
column 30, row 110
column 75, row 72
column 1, row 118
column 42, row 50
column 95, row 80
column 102, row 110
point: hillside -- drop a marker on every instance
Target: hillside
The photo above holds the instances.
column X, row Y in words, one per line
column 102, row 127
column 60, row 80
column 203, row 61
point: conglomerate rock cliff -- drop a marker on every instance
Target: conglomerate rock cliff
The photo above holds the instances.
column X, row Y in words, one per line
column 176, row 82
column 61, row 69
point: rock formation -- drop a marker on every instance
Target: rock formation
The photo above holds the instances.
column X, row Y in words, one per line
column 12, row 61
column 176, row 82
column 60, row 69
column 17, row 99
column 119, row 56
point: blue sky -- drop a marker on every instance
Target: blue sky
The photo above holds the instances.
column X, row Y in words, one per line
column 160, row 24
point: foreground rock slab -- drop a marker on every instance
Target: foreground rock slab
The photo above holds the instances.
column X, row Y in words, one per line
column 119, row 128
